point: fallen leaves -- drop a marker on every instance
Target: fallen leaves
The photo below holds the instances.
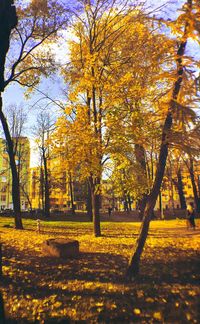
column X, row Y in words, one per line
column 92, row 288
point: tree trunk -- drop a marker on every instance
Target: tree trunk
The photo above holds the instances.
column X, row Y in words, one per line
column 180, row 190
column 134, row 262
column 140, row 159
column 41, row 194
column 15, row 179
column 141, row 206
column 71, row 194
column 89, row 203
column 27, row 197
column 129, row 202
column 125, row 204
column 194, row 186
column 95, row 198
column 161, row 205
column 133, row 267
column 7, row 22
column 46, row 188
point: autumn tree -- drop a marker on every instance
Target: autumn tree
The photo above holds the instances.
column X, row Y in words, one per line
column 104, row 61
column 28, row 59
column 185, row 28
column 190, row 162
column 42, row 132
column 135, row 117
column 8, row 21
column 17, row 119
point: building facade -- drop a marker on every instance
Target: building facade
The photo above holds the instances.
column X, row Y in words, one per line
column 22, row 159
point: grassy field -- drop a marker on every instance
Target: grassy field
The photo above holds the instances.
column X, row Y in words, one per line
column 92, row 287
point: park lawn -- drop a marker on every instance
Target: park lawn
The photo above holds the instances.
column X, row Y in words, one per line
column 92, row 287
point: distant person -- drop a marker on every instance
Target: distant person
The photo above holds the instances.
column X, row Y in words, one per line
column 190, row 216
column 109, row 211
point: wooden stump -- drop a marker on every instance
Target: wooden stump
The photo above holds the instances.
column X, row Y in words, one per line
column 61, row 247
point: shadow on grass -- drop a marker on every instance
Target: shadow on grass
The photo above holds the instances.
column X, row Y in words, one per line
column 173, row 267
column 89, row 277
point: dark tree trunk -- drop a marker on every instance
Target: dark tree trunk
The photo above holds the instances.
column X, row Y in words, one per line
column 41, row 197
column 46, row 188
column 27, row 197
column 194, row 186
column 141, row 206
column 15, row 179
column 8, row 20
column 141, row 160
column 71, row 194
column 95, row 198
column 134, row 262
column 126, row 209
column 161, row 205
column 198, row 185
column 89, row 203
column 133, row 268
column 180, row 190
column 129, row 202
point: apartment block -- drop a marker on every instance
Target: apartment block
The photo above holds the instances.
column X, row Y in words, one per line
column 22, row 158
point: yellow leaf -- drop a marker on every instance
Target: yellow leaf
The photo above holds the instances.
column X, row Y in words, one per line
column 57, row 304
column 189, row 316
column 149, row 300
column 137, row 311
column 157, row 316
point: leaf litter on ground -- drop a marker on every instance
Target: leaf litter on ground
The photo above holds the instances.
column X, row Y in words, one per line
column 92, row 287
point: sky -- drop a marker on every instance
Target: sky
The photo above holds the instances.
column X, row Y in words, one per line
column 15, row 94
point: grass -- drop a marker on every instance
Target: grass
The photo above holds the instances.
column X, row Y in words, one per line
column 92, row 287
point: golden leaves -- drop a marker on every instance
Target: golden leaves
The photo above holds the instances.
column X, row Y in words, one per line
column 157, row 316
column 40, row 288
column 137, row 311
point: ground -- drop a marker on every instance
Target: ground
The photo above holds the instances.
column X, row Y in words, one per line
column 92, row 288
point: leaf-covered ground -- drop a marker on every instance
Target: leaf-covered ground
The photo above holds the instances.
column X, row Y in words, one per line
column 91, row 288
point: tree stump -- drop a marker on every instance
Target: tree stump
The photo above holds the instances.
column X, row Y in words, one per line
column 61, row 247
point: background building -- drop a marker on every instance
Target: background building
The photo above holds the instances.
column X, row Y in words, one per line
column 22, row 158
